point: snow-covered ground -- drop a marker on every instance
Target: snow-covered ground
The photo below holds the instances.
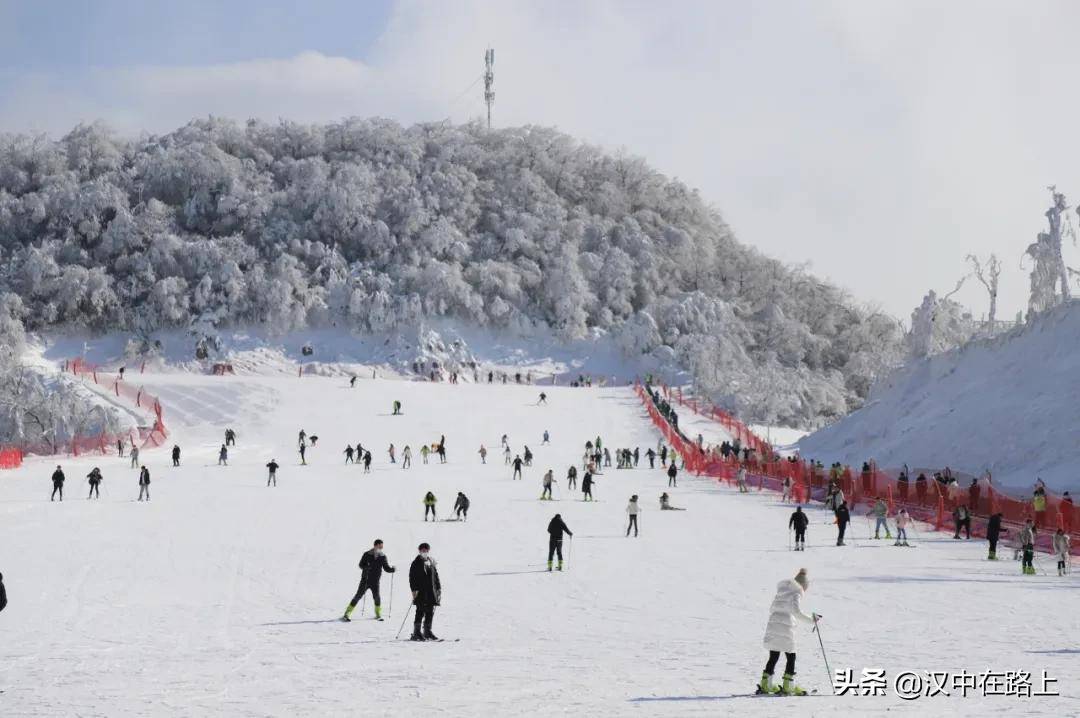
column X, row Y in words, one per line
column 1007, row 404
column 220, row 597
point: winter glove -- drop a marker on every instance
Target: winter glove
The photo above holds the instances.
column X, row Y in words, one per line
column 817, row 617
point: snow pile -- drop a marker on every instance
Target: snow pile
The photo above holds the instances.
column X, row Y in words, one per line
column 1007, row 404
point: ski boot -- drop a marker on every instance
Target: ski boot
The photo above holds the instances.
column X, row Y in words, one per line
column 887, row 534
column 429, row 636
column 897, row 543
column 992, row 556
column 559, row 567
column 378, row 613
column 905, row 543
column 765, row 685
column 549, row 565
column 416, row 635
column 788, row 688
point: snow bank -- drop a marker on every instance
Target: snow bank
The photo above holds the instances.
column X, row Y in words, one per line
column 1006, row 404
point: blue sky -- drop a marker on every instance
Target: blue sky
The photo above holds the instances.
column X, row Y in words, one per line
column 877, row 142
column 59, row 34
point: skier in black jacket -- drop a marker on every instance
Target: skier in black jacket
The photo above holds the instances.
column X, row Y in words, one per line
column 461, row 506
column 586, row 486
column 426, row 592
column 571, row 478
column 993, row 532
column 144, row 483
column 3, row 593
column 672, row 472
column 372, row 564
column 799, row 522
column 57, row 484
column 517, row 467
column 556, row 528
column 175, row 455
column 273, row 467
column 842, row 520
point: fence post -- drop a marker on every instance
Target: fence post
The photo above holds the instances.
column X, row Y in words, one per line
column 940, row 512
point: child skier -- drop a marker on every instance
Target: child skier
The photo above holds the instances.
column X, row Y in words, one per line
column 1061, row 548
column 786, row 609
column 902, row 520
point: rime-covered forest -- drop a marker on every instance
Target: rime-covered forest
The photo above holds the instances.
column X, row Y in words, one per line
column 375, row 226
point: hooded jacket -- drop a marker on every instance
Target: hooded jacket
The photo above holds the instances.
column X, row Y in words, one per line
column 786, row 609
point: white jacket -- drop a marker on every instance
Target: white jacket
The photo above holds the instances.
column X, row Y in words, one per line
column 632, row 508
column 786, row 608
column 1061, row 544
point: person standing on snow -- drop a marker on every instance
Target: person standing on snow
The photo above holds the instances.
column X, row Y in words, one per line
column 134, row 456
column 483, row 454
column 556, row 528
column 303, row 452
column 962, row 519
column 571, row 478
column 429, row 506
column 393, row 454
column 372, row 564
column 543, row 399
column 144, row 483
column 547, row 438
column 367, row 462
column 273, row 467
column 1061, row 549
column 426, row 592
column 787, row 490
column 348, row 454
column 425, row 451
column 3, row 593
column 799, row 521
column 785, row 610
column 993, row 533
column 586, row 486
column 740, row 479
column 406, row 457
column 175, row 455
column 902, row 520
column 95, row 481
column 461, row 507
column 632, row 510
column 880, row 512
column 517, row 468
column 1027, row 542
column 223, row 456
column 549, row 479
column 672, row 472
column 57, row 484
column 397, row 408
column 651, row 456
column 843, row 518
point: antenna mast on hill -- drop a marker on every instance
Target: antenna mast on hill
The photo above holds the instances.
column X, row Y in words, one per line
column 489, row 80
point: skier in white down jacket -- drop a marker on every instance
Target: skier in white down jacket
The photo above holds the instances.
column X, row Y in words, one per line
column 780, row 633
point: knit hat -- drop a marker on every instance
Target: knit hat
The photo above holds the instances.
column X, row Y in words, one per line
column 801, row 579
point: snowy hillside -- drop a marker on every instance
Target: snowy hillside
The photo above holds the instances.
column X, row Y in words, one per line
column 1007, row 405
column 221, row 596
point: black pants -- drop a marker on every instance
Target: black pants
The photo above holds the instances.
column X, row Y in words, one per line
column 432, row 510
column 230, row 441
column 652, row 464
column 271, row 477
column 462, row 512
column 632, row 524
column 144, row 490
column 963, row 524
column 840, row 537
column 348, row 458
column 517, row 474
column 176, row 462
column 993, row 544
column 554, row 548
column 588, row 492
column 94, row 489
column 671, row 481
column 571, row 482
column 800, row 535
column 1029, row 554
column 362, row 589
column 55, row 488
column 546, row 492
column 425, row 614
column 774, row 656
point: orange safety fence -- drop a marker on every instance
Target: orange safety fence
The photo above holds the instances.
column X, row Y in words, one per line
column 11, row 458
column 929, row 501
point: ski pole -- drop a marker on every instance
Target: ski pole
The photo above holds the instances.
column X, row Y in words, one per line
column 817, row 630
column 789, row 538
column 403, row 623
column 362, row 602
column 569, row 551
column 390, row 608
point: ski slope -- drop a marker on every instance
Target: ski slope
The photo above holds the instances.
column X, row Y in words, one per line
column 220, row 597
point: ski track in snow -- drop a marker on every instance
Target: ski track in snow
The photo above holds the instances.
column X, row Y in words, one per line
column 220, row 596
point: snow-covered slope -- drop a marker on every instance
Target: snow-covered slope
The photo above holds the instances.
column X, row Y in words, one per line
column 1007, row 404
column 220, row 597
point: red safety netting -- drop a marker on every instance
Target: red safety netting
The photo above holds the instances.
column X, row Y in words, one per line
column 10, row 458
column 930, row 501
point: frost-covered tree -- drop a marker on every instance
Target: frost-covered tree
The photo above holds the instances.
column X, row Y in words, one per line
column 987, row 273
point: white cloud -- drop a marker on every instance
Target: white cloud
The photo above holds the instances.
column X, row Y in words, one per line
column 883, row 141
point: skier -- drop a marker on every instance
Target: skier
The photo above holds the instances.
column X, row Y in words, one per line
column 506, row 455
column 528, row 456
column 665, row 503
column 144, row 483
column 223, row 456
column 962, row 519
column 95, row 481
column 993, row 532
column 637, row 455
column 549, row 479
column 543, row 399
column 367, row 462
column 392, row 453
column 1061, row 548
column 406, row 457
column 586, row 486
column 429, row 506
column 672, row 472
column 58, row 484
column 425, row 451
column 780, row 633
column 461, row 507
column 397, row 407
column 556, row 528
column 3, row 593
column 902, row 520
column 881, row 512
column 120, row 448
column 426, row 592
column 352, row 382
column 607, row 456
column 303, row 452
column 303, row 435
column 651, row 456
column 483, row 454
column 663, row 455
column 799, row 521
column 175, row 455
column 272, row 476
column 571, row 477
column 547, row 438
column 505, row 442
column 787, row 490
column 517, row 468
column 441, row 450
column 1027, row 542
column 134, row 456
column 632, row 509
column 372, row 563
column 230, row 437
column 842, row 520
column 348, row 454
column 740, row 479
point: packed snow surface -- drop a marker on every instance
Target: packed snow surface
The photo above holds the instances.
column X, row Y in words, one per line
column 1008, row 405
column 221, row 596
